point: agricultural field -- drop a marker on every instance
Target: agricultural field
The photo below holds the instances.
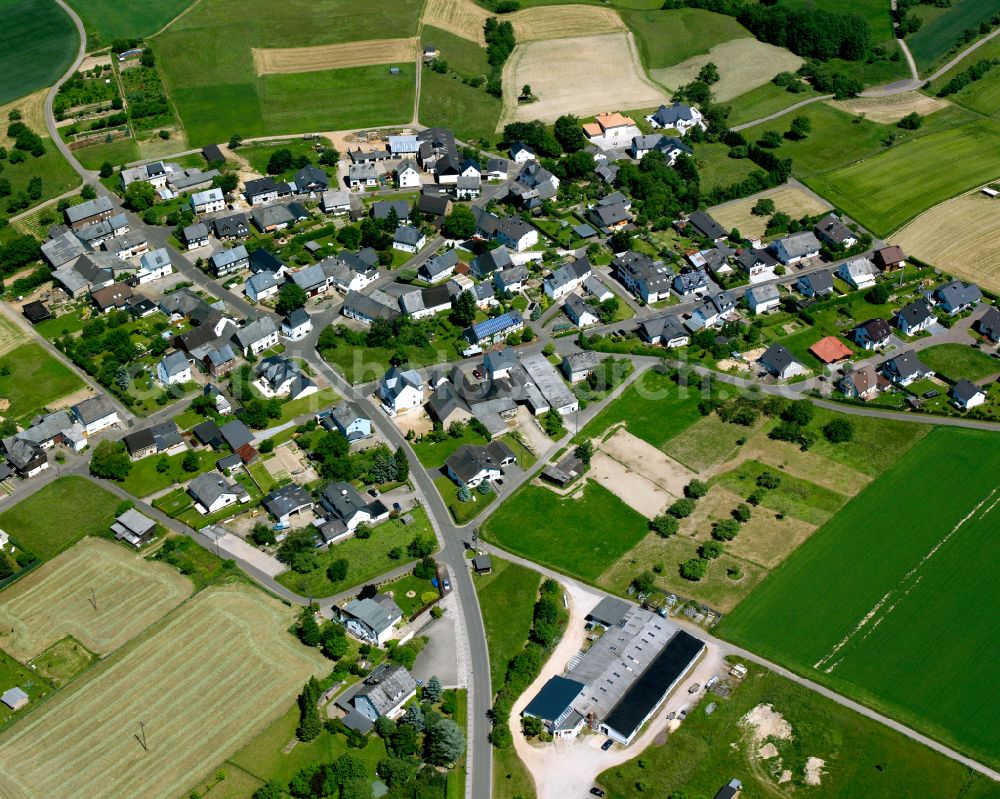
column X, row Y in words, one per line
column 466, row 19
column 566, row 533
column 858, row 756
column 447, row 102
column 107, row 20
column 968, row 251
column 54, row 601
column 887, row 190
column 744, row 65
column 893, row 614
column 940, row 33
column 189, row 678
column 507, row 599
column 36, row 528
column 216, row 92
column 891, row 109
column 788, row 199
column 764, row 101
column 566, row 79
column 981, row 96
column 668, row 38
column 31, row 379
column 47, row 43
column 465, row 57
column 333, row 56
column 956, row 361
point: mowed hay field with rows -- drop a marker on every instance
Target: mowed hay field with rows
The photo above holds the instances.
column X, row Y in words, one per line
column 466, row 19
column 333, row 56
column 216, row 673
column 894, row 600
column 55, row 600
column 971, row 248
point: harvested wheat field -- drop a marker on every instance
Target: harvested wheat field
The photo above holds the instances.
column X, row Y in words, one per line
column 568, row 77
column 55, row 600
column 221, row 669
column 960, row 236
column 891, row 109
column 272, row 61
column 744, row 64
column 466, row 19
column 792, row 200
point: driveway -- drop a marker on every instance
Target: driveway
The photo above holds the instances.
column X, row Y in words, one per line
column 445, row 656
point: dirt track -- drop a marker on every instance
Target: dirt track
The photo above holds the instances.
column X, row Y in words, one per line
column 583, row 75
column 273, row 61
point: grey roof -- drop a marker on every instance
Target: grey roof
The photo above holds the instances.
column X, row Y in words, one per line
column 408, row 235
column 224, row 258
column 989, row 323
column 95, row 408
column 750, row 258
column 311, row 174
column 236, row 434
column 916, row 313
column 287, row 499
column 691, row 280
column 905, row 365
column 555, row 699
column 498, row 324
column 819, row 282
column 175, row 363
column 196, row 231
column 370, row 306
column 777, row 358
column 297, row 318
column 261, row 282
column 388, row 686
column 444, row 401
column 468, row 182
column 155, row 259
column 63, row 249
column 44, row 429
column 193, row 177
column 344, row 414
column 344, row 500
column 470, row 459
column 272, row 215
column 544, row 375
column 664, row 326
column 498, row 360
column 208, row 487
column 487, row 262
column 706, row 226
column 255, row 331
column 230, row 226
column 832, row 229
column 609, row 612
column 135, row 521
column 800, row 244
column 576, row 306
column 568, row 273
column 956, row 294
column 608, row 215
column 207, row 196
column 440, row 264
column 964, row 390
column 99, row 205
column 761, row 294
column 668, row 117
column 21, row 453
column 253, row 188
column 583, row 361
column 13, row 696
column 400, row 379
column 381, row 208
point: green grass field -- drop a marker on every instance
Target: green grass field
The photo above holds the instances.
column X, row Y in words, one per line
column 57, row 175
column 863, row 758
column 794, row 497
column 13, row 674
column 763, row 101
column 717, row 169
column 106, row 20
column 983, row 95
column 892, row 607
column 144, row 478
column 122, row 151
column 367, row 558
column 217, row 91
column 654, row 408
column 46, row 45
column 889, row 189
column 936, row 37
column 957, row 361
column 37, row 528
column 507, row 600
column 665, row 38
column 35, row 380
column 446, row 101
column 62, row 661
column 874, row 11
column 578, row 536
column 465, row 57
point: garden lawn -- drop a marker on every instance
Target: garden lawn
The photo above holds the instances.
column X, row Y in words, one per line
column 463, row 512
column 367, row 558
column 121, row 151
column 107, row 20
column 433, row 455
column 60, row 514
column 35, row 380
column 665, row 38
column 145, row 479
column 311, row 405
column 511, row 778
column 470, row 112
column 887, row 190
column 877, row 444
column 956, row 361
column 794, row 497
column 937, row 36
column 46, row 44
column 893, row 612
column 580, row 537
column 401, row 587
column 653, row 407
column 13, row 674
column 361, row 365
column 863, row 757
column 507, row 601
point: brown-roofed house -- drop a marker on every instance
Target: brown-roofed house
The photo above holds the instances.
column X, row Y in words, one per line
column 116, row 295
column 830, row 350
column 889, row 258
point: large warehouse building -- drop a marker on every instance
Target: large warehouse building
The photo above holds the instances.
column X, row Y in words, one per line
column 623, row 679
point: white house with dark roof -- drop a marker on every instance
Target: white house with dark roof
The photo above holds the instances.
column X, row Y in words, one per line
column 989, row 324
column 348, row 420
column 211, row 492
column 471, row 464
column 579, row 312
column 408, row 239
column 815, row 284
column 521, row 153
column 196, row 235
column 567, row 278
column 257, row 336
column 408, row 174
column 967, row 395
column 915, row 317
column 872, row 334
column 577, row 366
column 834, row 232
column 665, row 329
column 343, row 501
column 174, row 369
column 647, row 279
column 796, row 247
column 955, row 296
column 780, row 363
column 208, row 202
column 439, row 267
column 225, row 262
column 261, row 286
column 758, row 265
column 297, row 325
column 95, row 414
column 692, row 283
column 905, row 368
column 278, row 376
column 154, row 265
column 679, row 116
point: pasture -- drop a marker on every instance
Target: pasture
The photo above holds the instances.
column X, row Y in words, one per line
column 893, row 610
column 34, row 524
column 744, row 65
column 191, row 680
column 34, row 380
column 333, row 56
column 889, row 189
column 579, row 536
column 567, row 79
column 666, row 38
column 938, row 35
column 507, row 600
column 789, row 199
column 107, row 20
column 54, row 601
column 447, row 102
column 465, row 57
column 862, row 758
column 46, row 45
column 466, row 19
column 969, row 250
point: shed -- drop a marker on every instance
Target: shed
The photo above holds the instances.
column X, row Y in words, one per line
column 14, row 698
column 482, row 564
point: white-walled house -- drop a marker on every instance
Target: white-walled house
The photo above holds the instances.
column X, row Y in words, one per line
column 212, row 492
column 297, row 325
column 401, row 390
column 207, row 202
column 679, row 116
column 173, row 369
column 95, row 414
column 408, row 175
column 154, row 265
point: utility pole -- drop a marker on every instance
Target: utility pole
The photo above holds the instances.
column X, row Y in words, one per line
column 142, row 737
column 93, row 598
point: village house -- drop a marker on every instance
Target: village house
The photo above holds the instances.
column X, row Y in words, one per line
column 95, row 414
column 335, row 202
column 63, row 249
column 261, row 286
column 859, row 273
column 915, row 317
column 174, row 369
column 491, row 261
column 127, row 246
column 862, row 383
column 155, row 174
column 297, row 325
column 796, row 247
column 955, row 296
column 567, row 278
column 163, row 439
column 712, row 312
column 96, row 234
column 228, row 228
column 780, row 363
column 904, row 369
column 346, row 504
column 196, row 235
column 496, row 169
column 611, row 131
column 311, row 180
column 762, row 299
column 407, row 174
column 511, row 279
column 401, row 390
column 367, row 308
column 815, row 284
column 425, row 302
column 647, row 279
column 25, row 458
column 679, row 116
column 361, row 176
column 468, row 187
column 278, row 376
column 260, row 191
column 701, row 225
column 347, row 420
column 888, row 259
column 134, row 528
column 212, row 492
column 872, row 334
column 439, row 267
column 671, row 147
column 521, row 153
column 758, row 265
column 692, row 283
column 579, row 312
column 967, row 395
column 989, row 324
column 835, row 233
column 272, row 218
column 225, row 262
column 287, row 501
column 578, row 366
column 154, row 265
column 373, row 620
column 89, row 212
column 117, row 296
column 207, row 202
column 258, row 335
column 408, row 239
column 492, row 331
column 666, row 330
column 471, row 464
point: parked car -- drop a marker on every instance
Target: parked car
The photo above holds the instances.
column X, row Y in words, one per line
column 397, row 507
column 682, row 713
column 693, row 689
column 607, row 745
column 711, row 681
column 597, row 791
column 446, row 584
column 373, row 492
